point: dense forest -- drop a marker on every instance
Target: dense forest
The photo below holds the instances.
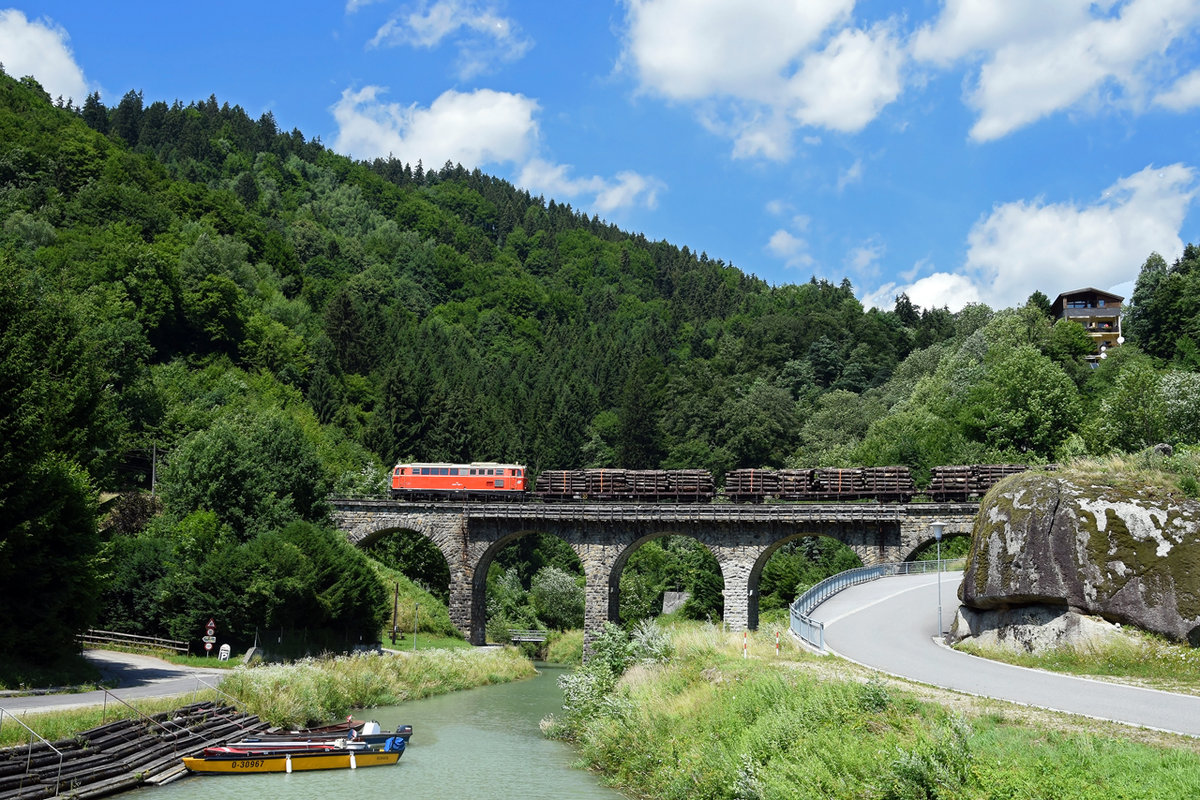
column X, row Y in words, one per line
column 197, row 303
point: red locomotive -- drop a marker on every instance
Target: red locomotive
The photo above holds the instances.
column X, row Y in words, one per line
column 480, row 480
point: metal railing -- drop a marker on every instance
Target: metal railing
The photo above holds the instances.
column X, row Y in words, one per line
column 526, row 636
column 29, row 750
column 93, row 638
column 812, row 631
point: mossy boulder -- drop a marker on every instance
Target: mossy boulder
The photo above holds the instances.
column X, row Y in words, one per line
column 1115, row 548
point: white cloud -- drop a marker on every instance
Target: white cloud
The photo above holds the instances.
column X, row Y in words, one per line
column 847, row 84
column 933, row 291
column 968, row 26
column 628, row 189
column 475, row 129
column 758, row 71
column 39, row 48
column 791, row 249
column 692, row 49
column 1026, row 246
column 483, row 36
column 1184, row 95
column 865, row 258
column 1057, row 247
column 850, row 175
column 1038, row 58
column 471, row 128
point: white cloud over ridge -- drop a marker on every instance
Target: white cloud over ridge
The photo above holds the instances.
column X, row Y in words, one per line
column 476, row 129
column 471, row 128
column 626, row 190
column 39, row 48
column 1024, row 246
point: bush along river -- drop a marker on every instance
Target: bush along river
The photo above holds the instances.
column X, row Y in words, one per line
column 474, row 743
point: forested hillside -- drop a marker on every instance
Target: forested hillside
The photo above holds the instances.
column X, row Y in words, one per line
column 256, row 322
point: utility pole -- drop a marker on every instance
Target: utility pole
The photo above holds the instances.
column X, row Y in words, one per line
column 395, row 608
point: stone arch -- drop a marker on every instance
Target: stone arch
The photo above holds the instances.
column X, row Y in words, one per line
column 447, row 553
column 626, row 551
column 482, row 562
column 754, row 576
column 930, row 543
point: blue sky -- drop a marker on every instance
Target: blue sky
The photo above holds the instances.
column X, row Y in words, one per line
column 959, row 150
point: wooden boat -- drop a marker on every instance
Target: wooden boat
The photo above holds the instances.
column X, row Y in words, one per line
column 249, row 746
column 300, row 757
column 291, row 761
column 369, row 733
column 336, row 729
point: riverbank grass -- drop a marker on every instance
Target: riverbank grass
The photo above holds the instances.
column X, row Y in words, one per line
column 55, row 725
column 317, row 690
column 699, row 720
column 1137, row 657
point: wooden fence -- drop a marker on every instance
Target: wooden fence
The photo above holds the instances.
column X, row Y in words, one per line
column 94, row 638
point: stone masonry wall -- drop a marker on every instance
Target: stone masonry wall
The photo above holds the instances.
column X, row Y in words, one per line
column 741, row 548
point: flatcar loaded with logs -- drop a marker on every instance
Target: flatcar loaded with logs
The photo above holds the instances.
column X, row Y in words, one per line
column 490, row 481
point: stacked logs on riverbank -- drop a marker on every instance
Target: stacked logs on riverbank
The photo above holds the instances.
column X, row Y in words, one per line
column 120, row 755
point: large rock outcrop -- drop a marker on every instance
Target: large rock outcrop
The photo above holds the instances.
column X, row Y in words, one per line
column 1114, row 549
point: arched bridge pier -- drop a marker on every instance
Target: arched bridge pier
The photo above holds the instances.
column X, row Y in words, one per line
column 741, row 537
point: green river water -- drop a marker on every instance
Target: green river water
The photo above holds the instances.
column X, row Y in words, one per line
column 482, row 743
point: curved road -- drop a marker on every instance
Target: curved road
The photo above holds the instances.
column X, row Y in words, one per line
column 136, row 677
column 889, row 625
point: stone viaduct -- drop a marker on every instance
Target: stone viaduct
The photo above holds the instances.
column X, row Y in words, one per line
column 741, row 537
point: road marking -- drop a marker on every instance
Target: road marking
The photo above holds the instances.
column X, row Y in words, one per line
column 880, row 600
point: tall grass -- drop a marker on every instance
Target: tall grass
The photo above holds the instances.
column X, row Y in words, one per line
column 1136, row 654
column 1147, row 470
column 318, row 690
column 56, row 725
column 709, row 723
column 403, row 597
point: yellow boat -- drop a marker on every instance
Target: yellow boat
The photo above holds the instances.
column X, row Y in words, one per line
column 291, row 761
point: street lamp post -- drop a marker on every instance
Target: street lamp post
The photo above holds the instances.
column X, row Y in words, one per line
column 416, row 615
column 937, row 534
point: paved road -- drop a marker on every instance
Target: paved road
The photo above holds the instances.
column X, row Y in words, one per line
column 889, row 624
column 136, row 677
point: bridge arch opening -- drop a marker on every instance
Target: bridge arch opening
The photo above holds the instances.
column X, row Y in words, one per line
column 414, row 556
column 528, row 581
column 789, row 568
column 954, row 545
column 654, row 565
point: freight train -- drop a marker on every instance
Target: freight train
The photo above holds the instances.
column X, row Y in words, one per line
column 493, row 481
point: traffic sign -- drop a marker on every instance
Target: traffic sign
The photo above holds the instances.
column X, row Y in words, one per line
column 208, row 640
column 208, row 645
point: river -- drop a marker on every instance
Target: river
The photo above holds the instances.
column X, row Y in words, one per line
column 481, row 743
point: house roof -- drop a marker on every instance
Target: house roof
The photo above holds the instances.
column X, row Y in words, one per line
column 1060, row 302
column 1092, row 291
